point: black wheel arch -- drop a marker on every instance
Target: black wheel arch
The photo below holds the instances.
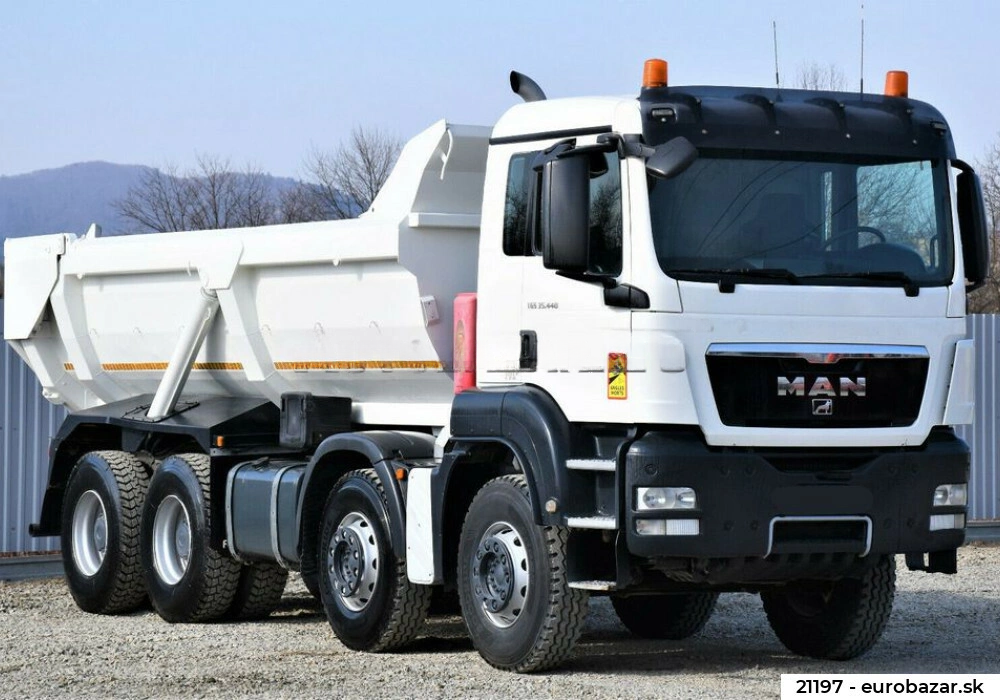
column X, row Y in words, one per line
column 345, row 452
column 526, row 421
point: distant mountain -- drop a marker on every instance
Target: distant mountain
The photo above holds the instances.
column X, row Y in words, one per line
column 65, row 200
column 71, row 198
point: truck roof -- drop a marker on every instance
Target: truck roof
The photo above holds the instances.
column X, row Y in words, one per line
column 773, row 119
column 755, row 118
column 544, row 117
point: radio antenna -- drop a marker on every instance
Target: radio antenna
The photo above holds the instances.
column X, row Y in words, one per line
column 774, row 28
column 862, row 48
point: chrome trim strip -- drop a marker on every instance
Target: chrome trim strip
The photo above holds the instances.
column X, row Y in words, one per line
column 594, row 585
column 275, row 548
column 818, row 353
column 592, row 465
column 593, row 523
column 820, row 518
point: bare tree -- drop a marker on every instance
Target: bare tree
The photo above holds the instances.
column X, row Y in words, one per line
column 347, row 180
column 210, row 196
column 986, row 299
column 340, row 185
column 814, row 76
column 300, row 203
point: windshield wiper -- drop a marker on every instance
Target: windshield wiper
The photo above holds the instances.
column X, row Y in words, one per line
column 902, row 279
column 728, row 277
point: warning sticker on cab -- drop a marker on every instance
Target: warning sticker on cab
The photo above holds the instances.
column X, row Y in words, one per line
column 617, row 375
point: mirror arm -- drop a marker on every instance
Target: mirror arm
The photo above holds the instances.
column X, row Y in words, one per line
column 618, row 294
column 607, row 281
column 963, row 166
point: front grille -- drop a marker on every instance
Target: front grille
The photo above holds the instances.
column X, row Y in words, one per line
column 791, row 392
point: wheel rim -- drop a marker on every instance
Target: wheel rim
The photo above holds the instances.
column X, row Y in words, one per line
column 171, row 540
column 90, row 533
column 354, row 561
column 500, row 573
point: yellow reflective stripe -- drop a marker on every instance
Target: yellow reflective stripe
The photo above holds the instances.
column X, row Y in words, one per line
column 360, row 364
column 158, row 366
column 133, row 366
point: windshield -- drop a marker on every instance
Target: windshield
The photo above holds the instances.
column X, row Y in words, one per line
column 813, row 220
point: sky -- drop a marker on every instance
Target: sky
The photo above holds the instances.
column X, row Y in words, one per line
column 264, row 83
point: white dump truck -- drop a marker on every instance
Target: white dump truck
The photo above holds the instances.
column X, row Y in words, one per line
column 705, row 339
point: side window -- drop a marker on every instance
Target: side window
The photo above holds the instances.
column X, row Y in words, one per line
column 605, row 215
column 605, row 211
column 898, row 200
column 515, row 216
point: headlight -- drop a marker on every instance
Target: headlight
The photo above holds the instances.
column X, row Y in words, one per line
column 951, row 495
column 665, row 498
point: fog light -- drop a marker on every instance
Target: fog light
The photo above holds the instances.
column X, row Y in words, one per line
column 951, row 495
column 665, row 498
column 955, row 521
column 644, row 526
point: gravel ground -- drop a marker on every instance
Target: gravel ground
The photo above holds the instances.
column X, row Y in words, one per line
column 940, row 624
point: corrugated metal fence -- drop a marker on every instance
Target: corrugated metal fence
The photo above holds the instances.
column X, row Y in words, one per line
column 27, row 421
column 983, row 434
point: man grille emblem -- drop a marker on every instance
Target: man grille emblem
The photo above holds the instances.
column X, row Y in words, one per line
column 822, row 407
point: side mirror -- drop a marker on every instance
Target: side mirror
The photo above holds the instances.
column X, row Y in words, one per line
column 973, row 227
column 671, row 158
column 564, row 213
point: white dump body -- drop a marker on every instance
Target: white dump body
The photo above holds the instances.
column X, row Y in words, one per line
column 359, row 308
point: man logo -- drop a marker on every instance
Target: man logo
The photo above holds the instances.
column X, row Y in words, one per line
column 822, row 386
column 822, row 407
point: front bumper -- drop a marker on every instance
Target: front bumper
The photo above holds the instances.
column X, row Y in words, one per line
column 756, row 503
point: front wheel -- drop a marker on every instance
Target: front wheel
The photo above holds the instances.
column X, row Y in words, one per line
column 516, row 600
column 665, row 616
column 370, row 603
column 833, row 619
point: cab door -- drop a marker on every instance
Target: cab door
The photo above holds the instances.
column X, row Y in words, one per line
column 573, row 344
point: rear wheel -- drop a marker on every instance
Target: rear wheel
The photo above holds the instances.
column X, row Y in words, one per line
column 665, row 616
column 516, row 601
column 100, row 532
column 833, row 620
column 258, row 592
column 369, row 601
column 187, row 580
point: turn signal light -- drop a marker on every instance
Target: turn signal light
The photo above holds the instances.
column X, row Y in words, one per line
column 654, row 73
column 897, row 83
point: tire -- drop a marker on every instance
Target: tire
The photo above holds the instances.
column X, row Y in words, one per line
column 102, row 508
column 516, row 601
column 259, row 591
column 834, row 620
column 187, row 580
column 665, row 616
column 374, row 606
column 311, row 582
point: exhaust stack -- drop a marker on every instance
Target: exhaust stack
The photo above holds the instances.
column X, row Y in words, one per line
column 525, row 87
